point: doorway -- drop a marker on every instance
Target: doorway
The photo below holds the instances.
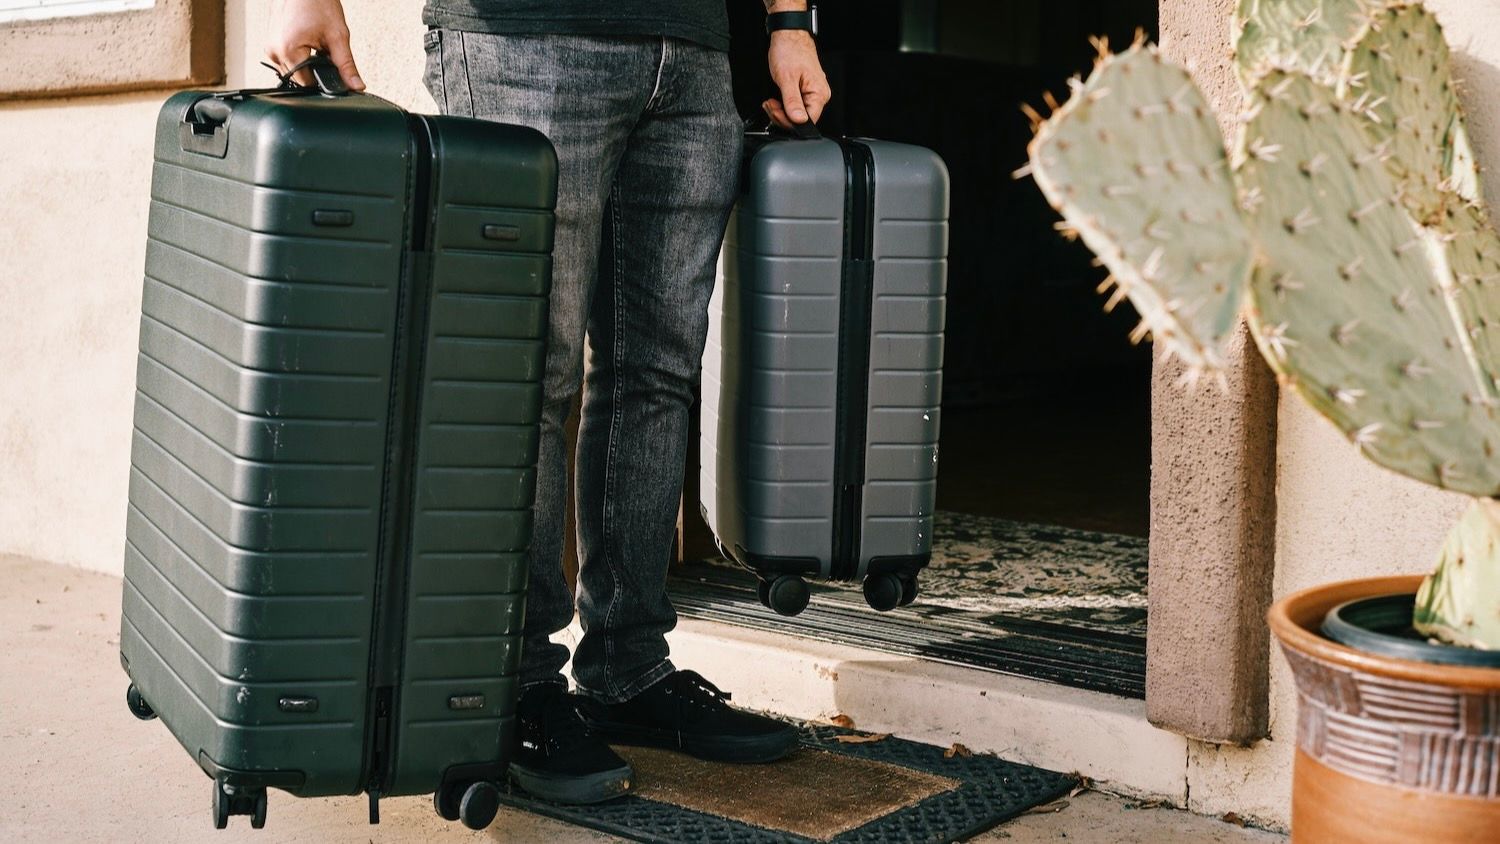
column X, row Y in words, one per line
column 1039, row 559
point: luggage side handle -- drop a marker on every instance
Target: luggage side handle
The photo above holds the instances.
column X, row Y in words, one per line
column 204, row 128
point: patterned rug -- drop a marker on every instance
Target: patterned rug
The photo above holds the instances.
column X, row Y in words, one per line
column 990, row 566
column 987, row 567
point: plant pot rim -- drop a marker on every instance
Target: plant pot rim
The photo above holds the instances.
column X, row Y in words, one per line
column 1296, row 618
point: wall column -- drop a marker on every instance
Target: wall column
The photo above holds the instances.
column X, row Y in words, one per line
column 1213, row 490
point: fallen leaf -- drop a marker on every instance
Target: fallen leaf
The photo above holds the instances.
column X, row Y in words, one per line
column 864, row 739
column 1231, row 817
column 957, row 750
column 1047, row 808
column 842, row 720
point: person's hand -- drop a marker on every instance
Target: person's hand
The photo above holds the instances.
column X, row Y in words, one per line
column 298, row 27
column 797, row 72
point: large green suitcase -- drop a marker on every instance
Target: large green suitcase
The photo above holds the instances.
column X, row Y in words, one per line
column 338, row 391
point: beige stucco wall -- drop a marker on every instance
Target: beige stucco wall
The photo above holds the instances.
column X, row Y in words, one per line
column 1338, row 516
column 74, row 181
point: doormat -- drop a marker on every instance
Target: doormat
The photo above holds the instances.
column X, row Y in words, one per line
column 830, row 790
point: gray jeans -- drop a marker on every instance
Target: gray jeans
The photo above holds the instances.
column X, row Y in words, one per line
column 648, row 147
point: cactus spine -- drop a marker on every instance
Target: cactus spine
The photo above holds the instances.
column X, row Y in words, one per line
column 1351, row 206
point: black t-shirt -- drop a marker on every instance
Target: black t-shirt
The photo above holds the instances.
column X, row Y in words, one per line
column 703, row 21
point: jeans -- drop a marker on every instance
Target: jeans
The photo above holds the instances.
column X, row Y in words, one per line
column 648, row 146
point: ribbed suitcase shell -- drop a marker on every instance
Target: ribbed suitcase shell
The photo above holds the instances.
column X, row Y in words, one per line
column 335, row 439
column 772, row 426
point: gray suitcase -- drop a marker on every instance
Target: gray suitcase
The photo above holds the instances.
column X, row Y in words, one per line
column 822, row 375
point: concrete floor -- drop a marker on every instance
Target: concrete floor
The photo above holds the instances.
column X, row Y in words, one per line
column 77, row 767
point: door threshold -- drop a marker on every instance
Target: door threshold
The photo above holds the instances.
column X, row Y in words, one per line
column 1100, row 658
column 1102, row 736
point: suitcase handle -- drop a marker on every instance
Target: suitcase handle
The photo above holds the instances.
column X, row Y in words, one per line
column 325, row 74
column 203, row 123
column 203, row 127
column 801, row 131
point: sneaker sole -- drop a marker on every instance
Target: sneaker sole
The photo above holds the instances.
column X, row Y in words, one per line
column 574, row 790
column 747, row 750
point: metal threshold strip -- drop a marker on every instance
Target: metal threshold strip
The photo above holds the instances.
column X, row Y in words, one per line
column 1095, row 660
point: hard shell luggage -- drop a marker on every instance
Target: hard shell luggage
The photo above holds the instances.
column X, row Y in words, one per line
column 333, row 464
column 822, row 376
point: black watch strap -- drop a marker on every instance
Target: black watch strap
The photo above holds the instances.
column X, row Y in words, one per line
column 807, row 20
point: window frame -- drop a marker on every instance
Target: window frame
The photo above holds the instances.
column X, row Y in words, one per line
column 107, row 52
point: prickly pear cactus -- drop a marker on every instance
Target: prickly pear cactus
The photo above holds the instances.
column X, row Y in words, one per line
column 1374, row 286
column 1355, row 304
column 1136, row 164
column 1460, row 602
column 1398, row 74
column 1306, row 35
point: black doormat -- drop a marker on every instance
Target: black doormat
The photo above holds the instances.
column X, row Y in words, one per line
column 964, row 796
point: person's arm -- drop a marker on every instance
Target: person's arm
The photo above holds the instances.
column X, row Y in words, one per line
column 795, row 69
column 297, row 27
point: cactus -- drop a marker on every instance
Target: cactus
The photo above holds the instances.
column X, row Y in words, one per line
column 1182, row 254
column 1460, row 602
column 1306, row 35
column 1349, row 303
column 1373, row 270
column 1398, row 72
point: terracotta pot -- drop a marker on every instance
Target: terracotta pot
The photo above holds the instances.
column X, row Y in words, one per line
column 1388, row 750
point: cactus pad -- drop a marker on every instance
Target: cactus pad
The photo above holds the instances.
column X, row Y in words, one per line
column 1353, row 302
column 1399, row 75
column 1459, row 603
column 1306, row 35
column 1135, row 163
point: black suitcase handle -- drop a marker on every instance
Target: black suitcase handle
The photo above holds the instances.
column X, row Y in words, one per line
column 325, row 74
column 801, row 131
column 203, row 129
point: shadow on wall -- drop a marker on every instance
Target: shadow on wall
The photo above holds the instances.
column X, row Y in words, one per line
column 1479, row 79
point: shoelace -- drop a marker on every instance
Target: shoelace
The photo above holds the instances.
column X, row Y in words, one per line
column 692, row 687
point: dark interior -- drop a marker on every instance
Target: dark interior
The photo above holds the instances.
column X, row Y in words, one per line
column 1045, row 402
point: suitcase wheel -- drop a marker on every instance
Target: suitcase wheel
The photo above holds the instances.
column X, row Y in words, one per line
column 908, row 591
column 446, row 800
column 138, row 705
column 480, row 802
column 787, row 594
column 238, row 801
column 885, row 591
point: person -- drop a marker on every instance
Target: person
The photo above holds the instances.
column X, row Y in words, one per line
column 635, row 96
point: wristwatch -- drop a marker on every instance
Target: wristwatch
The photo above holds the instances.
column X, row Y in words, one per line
column 807, row 21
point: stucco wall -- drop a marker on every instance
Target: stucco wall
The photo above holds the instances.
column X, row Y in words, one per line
column 1338, row 516
column 74, row 178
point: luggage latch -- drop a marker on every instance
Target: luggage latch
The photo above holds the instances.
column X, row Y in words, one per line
column 328, row 217
column 495, row 231
column 466, row 702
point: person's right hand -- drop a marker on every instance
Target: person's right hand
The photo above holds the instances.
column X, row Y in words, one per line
column 297, row 27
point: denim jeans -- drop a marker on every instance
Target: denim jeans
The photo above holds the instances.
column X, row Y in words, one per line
column 648, row 147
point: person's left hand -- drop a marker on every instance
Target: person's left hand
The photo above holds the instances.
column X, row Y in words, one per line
column 797, row 72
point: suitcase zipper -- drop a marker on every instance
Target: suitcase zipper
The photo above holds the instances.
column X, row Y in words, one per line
column 856, row 291
column 388, row 623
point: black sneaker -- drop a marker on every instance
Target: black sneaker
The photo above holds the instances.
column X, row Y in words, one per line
column 685, row 712
column 559, row 758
